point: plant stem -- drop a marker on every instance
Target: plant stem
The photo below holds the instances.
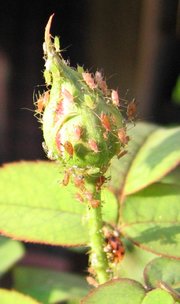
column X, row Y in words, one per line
column 98, row 258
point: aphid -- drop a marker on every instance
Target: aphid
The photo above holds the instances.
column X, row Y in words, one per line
column 89, row 80
column 101, row 82
column 105, row 121
column 114, row 246
column 79, row 182
column 67, row 96
column 42, row 101
column 66, row 178
column 95, row 203
column 131, row 109
column 101, row 180
column 89, row 102
column 79, row 197
column 57, row 44
column 92, row 281
column 47, row 77
column 77, row 132
column 122, row 136
column 93, row 145
column 121, row 154
column 115, row 98
column 88, row 196
column 68, row 148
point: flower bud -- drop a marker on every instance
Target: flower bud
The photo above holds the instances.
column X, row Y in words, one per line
column 80, row 121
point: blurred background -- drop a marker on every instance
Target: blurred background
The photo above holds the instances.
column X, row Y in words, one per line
column 134, row 43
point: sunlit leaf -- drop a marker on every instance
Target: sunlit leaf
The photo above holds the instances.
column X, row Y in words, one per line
column 152, row 153
column 163, row 270
column 35, row 207
column 151, row 219
column 14, row 297
column 159, row 154
column 122, row 291
column 158, row 296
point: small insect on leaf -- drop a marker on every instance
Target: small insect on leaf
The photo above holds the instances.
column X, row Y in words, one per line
column 122, row 136
column 67, row 96
column 93, row 145
column 101, row 180
column 77, row 132
column 42, row 101
column 69, row 148
column 92, row 281
column 89, row 102
column 66, row 178
column 89, row 80
column 114, row 247
column 57, row 44
column 79, row 197
column 95, row 203
column 79, row 182
column 88, row 195
column 131, row 109
column 115, row 98
column 105, row 121
column 101, row 82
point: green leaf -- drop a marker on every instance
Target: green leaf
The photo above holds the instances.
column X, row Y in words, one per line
column 159, row 154
column 152, row 153
column 14, row 297
column 119, row 168
column 164, row 270
column 158, row 296
column 150, row 218
column 10, row 252
column 35, row 207
column 121, row 291
column 49, row 286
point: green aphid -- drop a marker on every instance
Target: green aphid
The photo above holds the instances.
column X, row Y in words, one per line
column 89, row 102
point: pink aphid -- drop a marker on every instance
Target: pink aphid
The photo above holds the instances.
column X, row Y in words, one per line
column 105, row 121
column 66, row 178
column 89, row 80
column 67, row 96
column 95, row 203
column 88, row 195
column 79, row 197
column 77, row 132
column 58, row 142
column 101, row 82
column 115, row 97
column 93, row 145
column 42, row 101
column 122, row 136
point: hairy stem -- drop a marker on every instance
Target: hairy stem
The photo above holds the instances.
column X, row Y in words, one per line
column 98, row 258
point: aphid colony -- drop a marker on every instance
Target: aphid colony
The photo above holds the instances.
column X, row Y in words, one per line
column 114, row 249
column 83, row 195
column 83, row 121
column 66, row 100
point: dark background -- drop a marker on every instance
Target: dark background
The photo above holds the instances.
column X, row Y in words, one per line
column 135, row 42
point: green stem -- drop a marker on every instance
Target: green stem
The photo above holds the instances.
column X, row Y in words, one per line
column 98, row 258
